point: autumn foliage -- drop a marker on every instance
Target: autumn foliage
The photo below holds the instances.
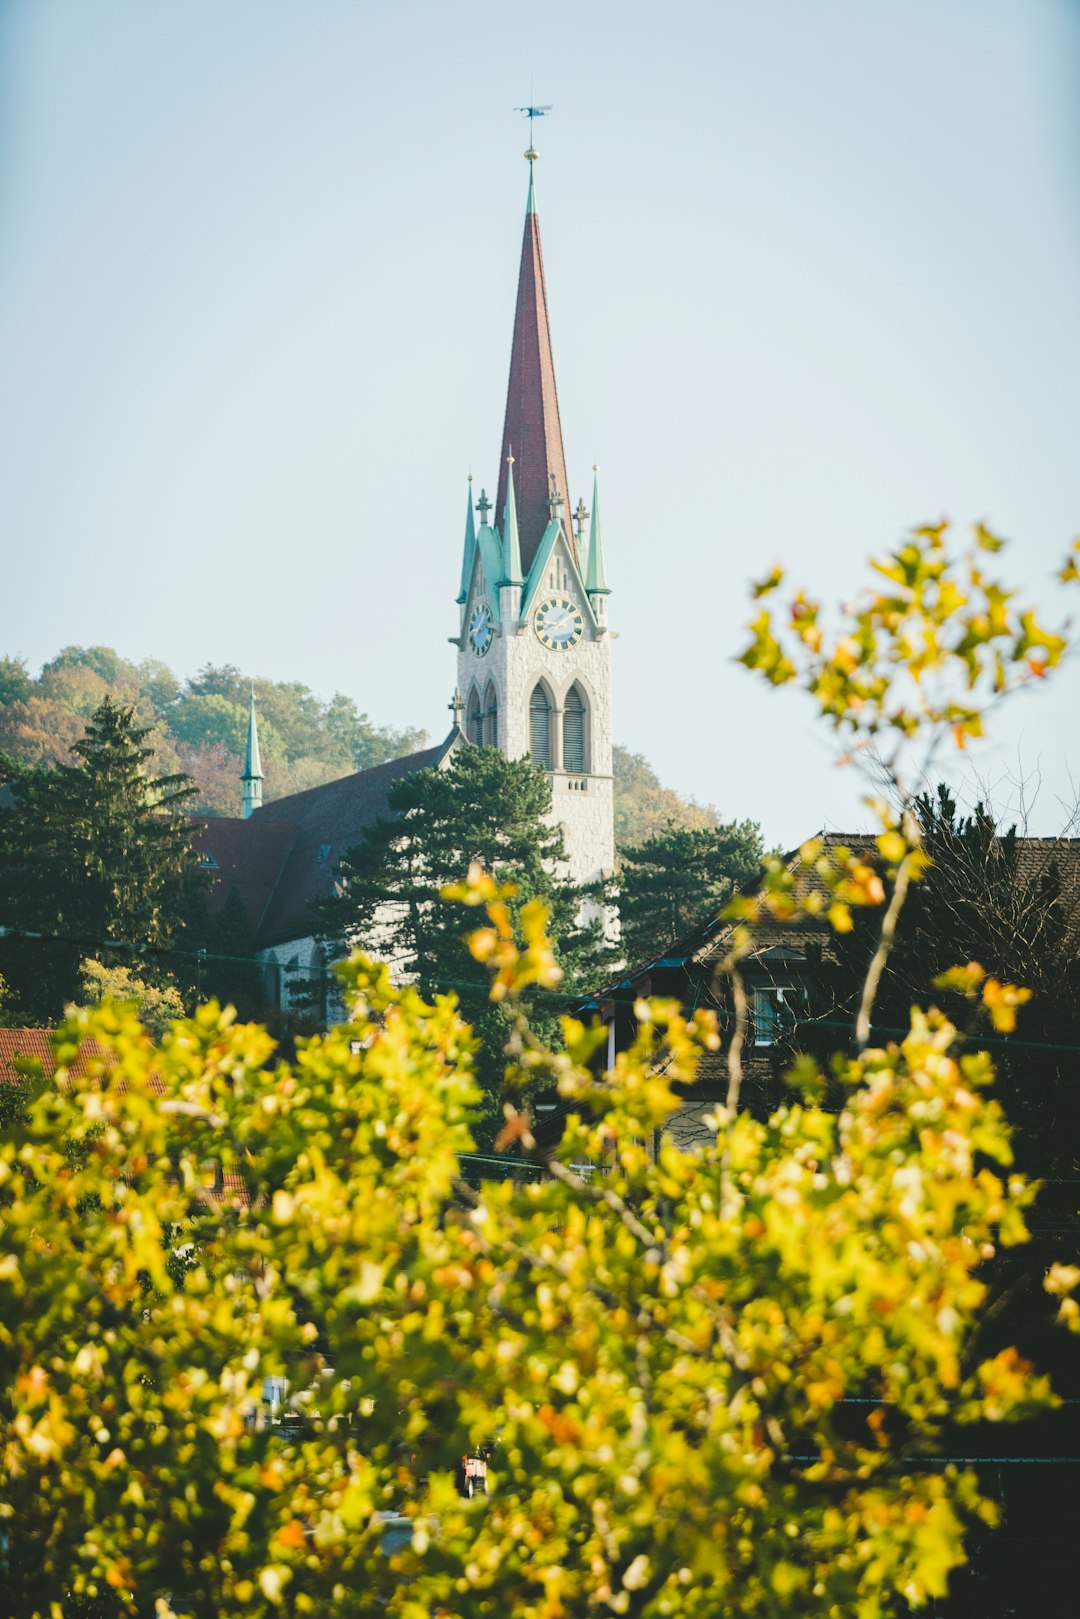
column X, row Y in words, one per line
column 711, row 1380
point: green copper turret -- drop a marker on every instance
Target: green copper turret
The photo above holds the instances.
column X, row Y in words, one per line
column 470, row 547
column 253, row 775
column 596, row 573
column 511, row 542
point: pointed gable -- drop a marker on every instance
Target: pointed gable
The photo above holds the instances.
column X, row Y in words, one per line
column 531, row 431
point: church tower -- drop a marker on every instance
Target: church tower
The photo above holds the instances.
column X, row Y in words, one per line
column 534, row 665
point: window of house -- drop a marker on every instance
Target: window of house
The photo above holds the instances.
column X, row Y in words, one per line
column 491, row 717
column 776, row 1008
column 474, row 727
column 540, row 728
column 574, row 731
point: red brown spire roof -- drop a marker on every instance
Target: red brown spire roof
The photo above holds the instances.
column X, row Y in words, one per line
column 532, row 432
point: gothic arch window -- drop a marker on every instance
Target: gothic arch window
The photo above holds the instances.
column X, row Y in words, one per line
column 540, row 727
column 574, row 749
column 491, row 717
column 474, row 725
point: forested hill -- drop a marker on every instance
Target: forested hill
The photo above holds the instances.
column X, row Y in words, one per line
column 200, row 722
column 201, row 725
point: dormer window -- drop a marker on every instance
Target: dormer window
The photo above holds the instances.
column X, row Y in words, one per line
column 324, row 852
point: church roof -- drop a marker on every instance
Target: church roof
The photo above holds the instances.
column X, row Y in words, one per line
column 285, row 855
column 244, row 855
column 531, row 431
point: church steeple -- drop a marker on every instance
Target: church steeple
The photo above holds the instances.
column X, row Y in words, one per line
column 253, row 776
column 531, row 425
column 533, row 644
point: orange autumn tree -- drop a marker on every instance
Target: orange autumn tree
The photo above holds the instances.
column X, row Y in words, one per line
column 657, row 1355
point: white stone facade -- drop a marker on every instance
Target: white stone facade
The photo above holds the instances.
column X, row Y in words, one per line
column 510, row 670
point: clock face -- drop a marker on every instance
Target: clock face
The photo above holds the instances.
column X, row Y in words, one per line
column 481, row 629
column 558, row 623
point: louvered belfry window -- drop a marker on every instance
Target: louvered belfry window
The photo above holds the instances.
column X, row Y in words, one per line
column 540, row 728
column 573, row 744
column 491, row 717
column 475, row 727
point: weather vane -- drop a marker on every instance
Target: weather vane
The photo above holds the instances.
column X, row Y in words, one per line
column 531, row 113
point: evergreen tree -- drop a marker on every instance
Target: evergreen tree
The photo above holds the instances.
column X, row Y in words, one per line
column 89, row 852
column 231, row 974
column 482, row 808
column 680, row 878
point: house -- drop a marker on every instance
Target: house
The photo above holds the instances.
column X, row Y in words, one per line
column 28, row 1053
column 1010, row 902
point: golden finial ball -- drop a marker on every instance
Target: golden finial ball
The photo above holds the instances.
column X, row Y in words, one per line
column 532, row 154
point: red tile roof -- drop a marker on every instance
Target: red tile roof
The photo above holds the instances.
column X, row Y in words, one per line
column 24, row 1043
column 35, row 1046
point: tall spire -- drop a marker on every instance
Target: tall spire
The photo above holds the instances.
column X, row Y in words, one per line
column 511, row 533
column 596, row 574
column 532, row 405
column 470, row 547
column 253, row 776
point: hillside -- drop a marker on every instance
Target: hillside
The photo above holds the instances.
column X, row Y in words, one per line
column 200, row 723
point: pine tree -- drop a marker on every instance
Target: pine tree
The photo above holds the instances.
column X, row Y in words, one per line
column 89, row 852
column 482, row 808
column 680, row 878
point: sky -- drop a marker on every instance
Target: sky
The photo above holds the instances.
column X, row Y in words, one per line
column 814, row 278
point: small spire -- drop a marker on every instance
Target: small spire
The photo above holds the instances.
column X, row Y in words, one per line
column 253, row 774
column 581, row 517
column 483, row 506
column 469, row 547
column 581, row 539
column 511, row 542
column 596, row 575
column 532, row 154
column 456, row 705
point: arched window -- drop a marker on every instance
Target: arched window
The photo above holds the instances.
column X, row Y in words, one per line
column 540, row 728
column 474, row 728
column 573, row 732
column 491, row 717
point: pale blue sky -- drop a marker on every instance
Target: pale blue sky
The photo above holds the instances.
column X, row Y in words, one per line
column 814, row 274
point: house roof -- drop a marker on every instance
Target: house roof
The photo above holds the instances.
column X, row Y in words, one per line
column 776, row 940
column 284, row 856
column 24, row 1043
column 35, row 1046
column 228, row 1186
